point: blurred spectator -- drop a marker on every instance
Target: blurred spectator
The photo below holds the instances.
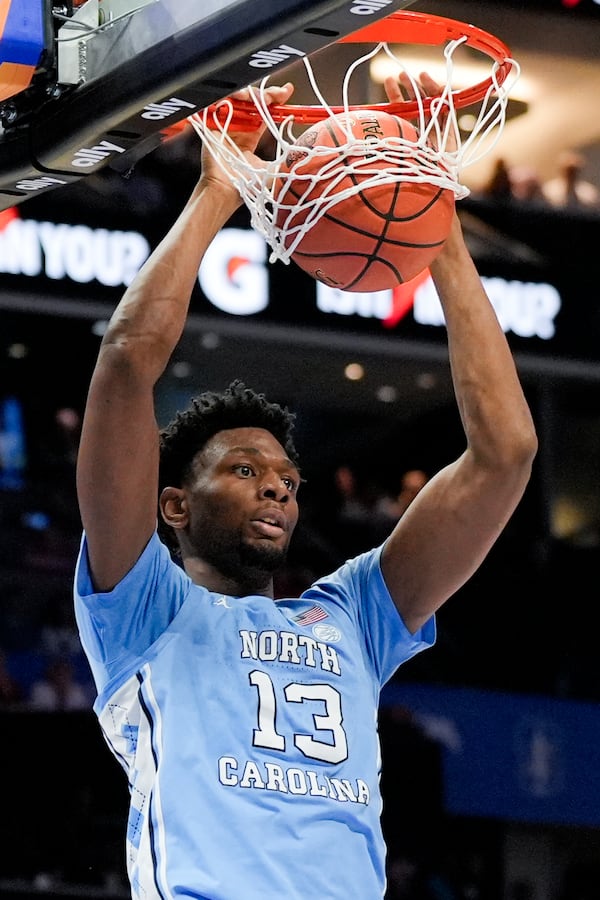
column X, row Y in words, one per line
column 58, row 457
column 508, row 183
column 526, row 184
column 499, row 186
column 68, row 422
column 521, row 890
column 355, row 511
column 412, row 879
column 412, row 818
column 389, row 508
column 475, row 877
column 11, row 692
column 13, row 445
column 53, row 517
column 580, row 882
column 413, row 480
column 356, row 499
column 292, row 580
column 402, row 878
column 569, row 189
column 58, row 633
column 59, row 689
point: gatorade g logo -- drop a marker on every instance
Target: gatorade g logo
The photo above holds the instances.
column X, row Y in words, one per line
column 233, row 275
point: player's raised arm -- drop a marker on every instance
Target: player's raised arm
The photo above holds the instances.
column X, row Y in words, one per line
column 452, row 524
column 117, row 472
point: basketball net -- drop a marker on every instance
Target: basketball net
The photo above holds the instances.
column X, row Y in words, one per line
column 438, row 156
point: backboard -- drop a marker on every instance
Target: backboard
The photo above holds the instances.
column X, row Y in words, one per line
column 104, row 95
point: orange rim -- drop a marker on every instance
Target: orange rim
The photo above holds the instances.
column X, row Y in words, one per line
column 403, row 27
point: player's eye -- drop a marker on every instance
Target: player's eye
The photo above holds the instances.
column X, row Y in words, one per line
column 244, row 470
column 290, row 483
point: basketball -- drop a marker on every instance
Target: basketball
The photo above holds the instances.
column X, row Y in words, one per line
column 381, row 236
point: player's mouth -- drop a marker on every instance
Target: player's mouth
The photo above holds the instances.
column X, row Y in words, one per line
column 271, row 523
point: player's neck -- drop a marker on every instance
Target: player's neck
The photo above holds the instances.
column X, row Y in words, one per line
column 251, row 582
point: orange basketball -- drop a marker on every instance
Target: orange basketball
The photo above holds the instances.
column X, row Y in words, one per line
column 375, row 239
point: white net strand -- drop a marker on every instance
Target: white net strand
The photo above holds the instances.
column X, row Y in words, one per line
column 491, row 118
column 438, row 155
column 352, row 161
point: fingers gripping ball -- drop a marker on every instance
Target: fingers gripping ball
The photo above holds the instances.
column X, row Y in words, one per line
column 374, row 239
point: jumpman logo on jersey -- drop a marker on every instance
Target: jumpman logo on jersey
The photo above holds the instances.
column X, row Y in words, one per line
column 222, row 601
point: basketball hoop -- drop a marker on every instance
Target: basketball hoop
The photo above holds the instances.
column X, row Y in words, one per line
column 438, row 155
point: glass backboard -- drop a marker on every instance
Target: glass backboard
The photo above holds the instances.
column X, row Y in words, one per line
column 128, row 69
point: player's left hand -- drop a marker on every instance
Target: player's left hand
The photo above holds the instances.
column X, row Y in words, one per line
column 247, row 140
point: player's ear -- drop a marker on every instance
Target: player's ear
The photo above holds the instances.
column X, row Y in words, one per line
column 173, row 507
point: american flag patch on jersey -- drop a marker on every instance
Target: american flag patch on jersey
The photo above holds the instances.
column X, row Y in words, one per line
column 314, row 614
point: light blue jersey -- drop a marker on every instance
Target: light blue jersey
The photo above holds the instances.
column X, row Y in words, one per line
column 247, row 729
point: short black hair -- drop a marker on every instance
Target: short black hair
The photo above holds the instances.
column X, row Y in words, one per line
column 237, row 406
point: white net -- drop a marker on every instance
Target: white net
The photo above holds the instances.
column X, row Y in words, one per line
column 282, row 200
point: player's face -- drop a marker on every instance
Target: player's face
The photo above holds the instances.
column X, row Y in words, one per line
column 243, row 501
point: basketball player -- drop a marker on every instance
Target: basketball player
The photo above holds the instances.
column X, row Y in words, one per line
column 247, row 726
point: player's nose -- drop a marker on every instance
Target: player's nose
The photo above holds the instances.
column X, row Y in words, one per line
column 273, row 488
